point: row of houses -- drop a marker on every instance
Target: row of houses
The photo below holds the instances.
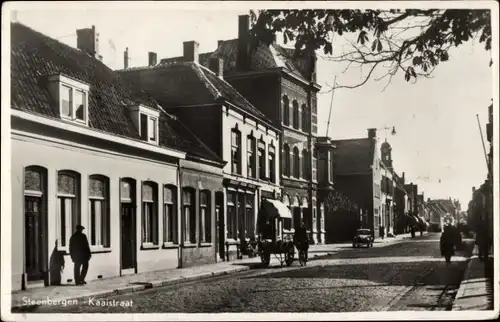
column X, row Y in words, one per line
column 166, row 165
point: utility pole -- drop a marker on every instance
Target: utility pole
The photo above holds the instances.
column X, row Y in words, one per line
column 331, row 105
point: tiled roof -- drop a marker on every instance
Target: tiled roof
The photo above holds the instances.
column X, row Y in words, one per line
column 354, row 156
column 187, row 83
column 262, row 58
column 35, row 56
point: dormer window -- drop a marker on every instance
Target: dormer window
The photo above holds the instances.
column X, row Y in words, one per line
column 146, row 121
column 72, row 96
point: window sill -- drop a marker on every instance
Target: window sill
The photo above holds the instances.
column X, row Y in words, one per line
column 146, row 246
column 169, row 245
column 206, row 244
column 97, row 250
column 189, row 245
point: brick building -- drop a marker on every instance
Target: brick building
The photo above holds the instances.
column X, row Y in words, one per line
column 88, row 149
column 282, row 87
column 229, row 125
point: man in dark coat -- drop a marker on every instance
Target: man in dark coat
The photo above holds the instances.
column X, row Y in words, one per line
column 301, row 238
column 447, row 243
column 79, row 250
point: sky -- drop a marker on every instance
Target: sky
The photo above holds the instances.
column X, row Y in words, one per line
column 437, row 143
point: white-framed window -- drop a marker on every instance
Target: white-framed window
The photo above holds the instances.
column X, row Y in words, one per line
column 322, row 218
column 271, row 154
column 251, row 173
column 189, row 213
column 261, row 151
column 68, row 205
column 169, row 214
column 235, row 151
column 99, row 230
column 149, row 213
column 314, row 220
column 73, row 98
column 205, row 217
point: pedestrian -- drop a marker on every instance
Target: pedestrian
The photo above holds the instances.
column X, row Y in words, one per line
column 447, row 243
column 301, row 239
column 79, row 250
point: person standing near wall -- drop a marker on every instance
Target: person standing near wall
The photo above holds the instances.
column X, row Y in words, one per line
column 79, row 250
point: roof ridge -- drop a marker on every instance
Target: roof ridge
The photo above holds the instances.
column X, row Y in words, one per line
column 205, row 78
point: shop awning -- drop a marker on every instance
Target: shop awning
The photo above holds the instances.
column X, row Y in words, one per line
column 275, row 208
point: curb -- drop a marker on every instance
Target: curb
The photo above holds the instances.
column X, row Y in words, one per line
column 465, row 276
column 131, row 288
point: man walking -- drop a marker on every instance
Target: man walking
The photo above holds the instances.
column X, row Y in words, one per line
column 79, row 250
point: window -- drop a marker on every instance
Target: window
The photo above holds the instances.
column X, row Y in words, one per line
column 305, row 165
column 286, row 160
column 205, row 218
column 332, row 166
column 314, row 219
column 251, row 157
column 169, row 214
column 148, row 128
column 304, row 118
column 149, row 213
column 322, row 217
column 188, row 209
column 235, row 151
column 232, row 227
column 152, row 128
column 72, row 97
column 262, row 160
column 66, row 101
column 286, row 111
column 272, row 164
column 99, row 229
column 67, row 205
column 314, row 164
column 296, row 163
column 295, row 114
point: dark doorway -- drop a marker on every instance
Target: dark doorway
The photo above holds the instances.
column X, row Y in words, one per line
column 128, row 235
column 220, row 226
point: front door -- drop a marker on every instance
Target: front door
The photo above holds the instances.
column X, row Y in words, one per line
column 220, row 227
column 34, row 238
column 128, row 236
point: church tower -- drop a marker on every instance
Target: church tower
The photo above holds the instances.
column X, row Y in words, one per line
column 385, row 153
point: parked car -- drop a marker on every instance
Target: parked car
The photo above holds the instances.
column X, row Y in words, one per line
column 363, row 237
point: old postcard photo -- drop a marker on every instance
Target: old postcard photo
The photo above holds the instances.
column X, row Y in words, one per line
column 265, row 160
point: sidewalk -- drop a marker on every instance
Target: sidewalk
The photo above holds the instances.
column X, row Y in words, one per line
column 126, row 284
column 475, row 292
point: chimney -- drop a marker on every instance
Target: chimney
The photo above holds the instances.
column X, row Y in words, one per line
column 125, row 58
column 243, row 42
column 372, row 133
column 473, row 189
column 152, row 58
column 217, row 66
column 88, row 41
column 191, row 51
column 220, row 43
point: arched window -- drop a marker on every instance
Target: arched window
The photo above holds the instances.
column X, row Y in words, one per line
column 68, row 205
column 272, row 163
column 169, row 214
column 296, row 162
column 286, row 110
column 295, row 114
column 251, row 157
column 149, row 213
column 189, row 213
column 99, row 230
column 305, row 118
column 286, row 160
column 205, row 217
column 235, row 151
column 305, row 165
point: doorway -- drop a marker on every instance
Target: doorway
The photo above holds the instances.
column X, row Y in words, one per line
column 128, row 236
column 34, row 234
column 220, row 225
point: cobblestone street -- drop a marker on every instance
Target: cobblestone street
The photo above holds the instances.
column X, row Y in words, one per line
column 409, row 275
